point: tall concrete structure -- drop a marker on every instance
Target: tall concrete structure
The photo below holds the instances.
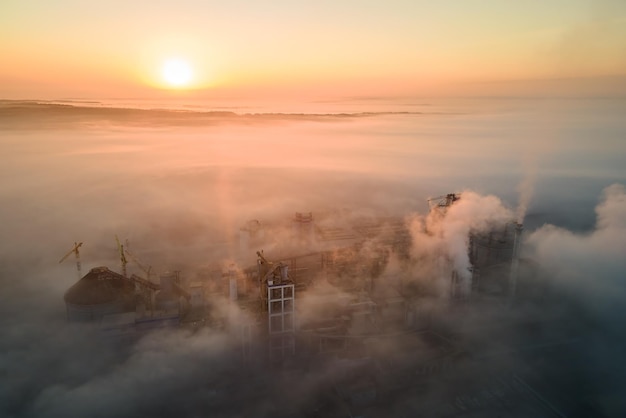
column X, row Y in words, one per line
column 281, row 319
column 278, row 298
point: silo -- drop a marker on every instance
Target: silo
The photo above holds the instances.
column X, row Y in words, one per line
column 166, row 302
column 98, row 293
column 166, row 298
column 492, row 248
column 167, row 280
column 232, row 283
column 491, row 255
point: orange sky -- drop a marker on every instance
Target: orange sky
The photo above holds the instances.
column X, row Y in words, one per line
column 72, row 48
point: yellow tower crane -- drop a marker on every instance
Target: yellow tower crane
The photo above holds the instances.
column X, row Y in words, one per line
column 444, row 201
column 76, row 252
column 147, row 270
column 123, row 260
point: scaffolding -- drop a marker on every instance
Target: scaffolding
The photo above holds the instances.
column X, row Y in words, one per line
column 281, row 320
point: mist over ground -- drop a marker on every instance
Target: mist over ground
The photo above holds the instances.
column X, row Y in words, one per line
column 179, row 185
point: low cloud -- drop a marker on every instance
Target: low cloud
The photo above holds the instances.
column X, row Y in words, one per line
column 180, row 196
column 588, row 265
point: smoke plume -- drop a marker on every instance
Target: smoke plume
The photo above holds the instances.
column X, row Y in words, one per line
column 594, row 263
column 525, row 189
column 445, row 236
column 179, row 186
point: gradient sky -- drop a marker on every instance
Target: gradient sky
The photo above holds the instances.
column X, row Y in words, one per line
column 74, row 48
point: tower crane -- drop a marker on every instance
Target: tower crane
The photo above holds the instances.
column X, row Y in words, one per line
column 444, row 201
column 75, row 251
column 147, row 270
column 143, row 286
column 123, row 260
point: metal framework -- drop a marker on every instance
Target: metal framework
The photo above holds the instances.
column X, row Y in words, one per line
column 281, row 319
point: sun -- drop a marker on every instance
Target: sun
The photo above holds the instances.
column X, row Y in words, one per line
column 177, row 73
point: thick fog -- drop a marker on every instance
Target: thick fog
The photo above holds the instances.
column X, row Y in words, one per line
column 179, row 185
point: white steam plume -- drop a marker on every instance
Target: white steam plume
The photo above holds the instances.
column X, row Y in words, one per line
column 525, row 189
column 590, row 264
column 473, row 213
column 447, row 235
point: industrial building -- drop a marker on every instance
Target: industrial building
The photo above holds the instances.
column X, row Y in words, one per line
column 351, row 257
column 495, row 259
column 100, row 292
column 331, row 301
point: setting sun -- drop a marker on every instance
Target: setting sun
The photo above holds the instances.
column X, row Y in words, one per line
column 177, row 73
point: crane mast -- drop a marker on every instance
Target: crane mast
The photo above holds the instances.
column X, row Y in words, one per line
column 123, row 260
column 77, row 253
column 147, row 270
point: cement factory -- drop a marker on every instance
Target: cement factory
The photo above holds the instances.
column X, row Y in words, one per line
column 335, row 302
column 269, row 288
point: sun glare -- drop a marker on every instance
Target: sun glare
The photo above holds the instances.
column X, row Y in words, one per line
column 177, row 73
